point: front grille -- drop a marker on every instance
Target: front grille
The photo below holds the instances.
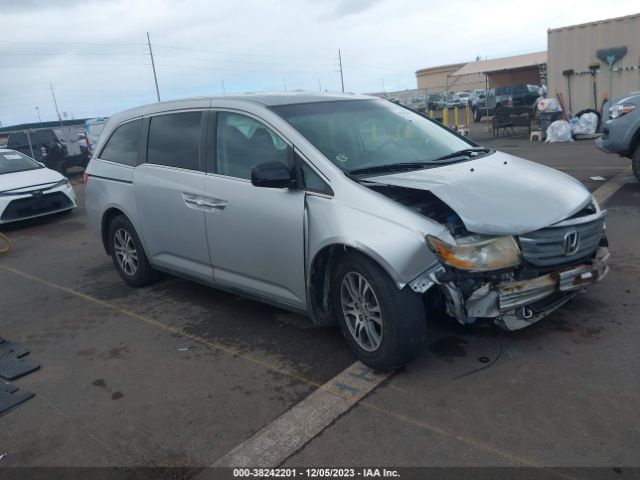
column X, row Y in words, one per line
column 552, row 246
column 32, row 206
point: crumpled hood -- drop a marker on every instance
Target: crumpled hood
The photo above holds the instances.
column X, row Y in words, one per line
column 499, row 194
column 28, row 178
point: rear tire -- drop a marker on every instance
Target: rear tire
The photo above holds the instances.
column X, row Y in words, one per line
column 61, row 167
column 477, row 116
column 383, row 326
column 635, row 163
column 127, row 253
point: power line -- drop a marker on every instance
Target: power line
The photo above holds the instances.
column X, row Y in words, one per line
column 69, row 43
column 236, row 54
column 84, row 54
column 65, row 65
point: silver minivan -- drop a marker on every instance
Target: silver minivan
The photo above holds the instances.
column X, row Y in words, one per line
column 349, row 209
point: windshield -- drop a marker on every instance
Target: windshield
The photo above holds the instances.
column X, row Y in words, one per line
column 11, row 162
column 356, row 134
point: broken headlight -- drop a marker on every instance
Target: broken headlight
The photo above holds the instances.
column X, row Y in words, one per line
column 476, row 253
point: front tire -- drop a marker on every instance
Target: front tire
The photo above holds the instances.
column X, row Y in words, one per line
column 635, row 163
column 127, row 253
column 383, row 326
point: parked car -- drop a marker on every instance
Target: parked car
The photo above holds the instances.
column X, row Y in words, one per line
column 454, row 101
column 621, row 129
column 57, row 148
column 93, row 128
column 28, row 189
column 465, row 98
column 437, row 101
column 346, row 208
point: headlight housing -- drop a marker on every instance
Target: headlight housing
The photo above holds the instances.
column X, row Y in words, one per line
column 64, row 181
column 621, row 109
column 476, row 253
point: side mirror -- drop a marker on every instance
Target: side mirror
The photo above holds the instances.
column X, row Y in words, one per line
column 272, row 175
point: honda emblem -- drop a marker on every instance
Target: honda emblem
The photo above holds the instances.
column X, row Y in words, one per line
column 571, row 242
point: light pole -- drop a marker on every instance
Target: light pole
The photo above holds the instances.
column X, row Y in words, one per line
column 39, row 119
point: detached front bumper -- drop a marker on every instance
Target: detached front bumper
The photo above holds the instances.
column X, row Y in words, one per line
column 513, row 305
column 522, row 303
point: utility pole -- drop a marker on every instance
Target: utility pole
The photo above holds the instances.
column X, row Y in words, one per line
column 340, row 63
column 55, row 103
column 38, row 111
column 224, row 91
column 153, row 65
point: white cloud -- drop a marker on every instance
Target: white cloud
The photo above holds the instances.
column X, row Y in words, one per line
column 94, row 52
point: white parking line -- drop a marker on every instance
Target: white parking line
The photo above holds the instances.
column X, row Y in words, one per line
column 606, row 191
column 289, row 432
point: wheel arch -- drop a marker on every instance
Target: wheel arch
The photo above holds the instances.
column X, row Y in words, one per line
column 321, row 269
column 107, row 218
column 635, row 142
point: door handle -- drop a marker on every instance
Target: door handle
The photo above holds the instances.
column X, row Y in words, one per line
column 194, row 201
column 218, row 205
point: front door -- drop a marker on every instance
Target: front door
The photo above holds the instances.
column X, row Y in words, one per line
column 256, row 235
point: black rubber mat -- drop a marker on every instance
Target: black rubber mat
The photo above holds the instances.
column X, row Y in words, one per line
column 13, row 360
column 13, row 348
column 11, row 396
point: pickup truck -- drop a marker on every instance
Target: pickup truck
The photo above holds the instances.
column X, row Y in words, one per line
column 57, row 148
column 513, row 96
column 621, row 129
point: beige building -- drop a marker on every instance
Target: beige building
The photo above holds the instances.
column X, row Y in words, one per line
column 578, row 61
column 529, row 68
column 439, row 79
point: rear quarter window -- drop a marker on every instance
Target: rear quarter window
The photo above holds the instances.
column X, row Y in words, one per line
column 122, row 146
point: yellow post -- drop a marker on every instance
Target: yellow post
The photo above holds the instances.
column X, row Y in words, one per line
column 445, row 116
column 467, row 112
column 430, row 113
column 455, row 117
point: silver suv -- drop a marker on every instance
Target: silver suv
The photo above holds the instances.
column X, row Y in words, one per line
column 621, row 129
column 349, row 209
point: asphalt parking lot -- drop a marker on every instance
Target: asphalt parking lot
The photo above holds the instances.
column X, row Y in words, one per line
column 178, row 374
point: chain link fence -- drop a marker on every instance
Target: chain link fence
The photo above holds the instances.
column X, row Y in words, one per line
column 58, row 148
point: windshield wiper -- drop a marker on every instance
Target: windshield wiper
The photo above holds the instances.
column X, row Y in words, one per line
column 466, row 152
column 389, row 167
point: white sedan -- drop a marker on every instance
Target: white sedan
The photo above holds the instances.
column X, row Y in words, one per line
column 28, row 189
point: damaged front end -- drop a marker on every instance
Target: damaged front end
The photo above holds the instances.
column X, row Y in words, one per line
column 513, row 281
column 555, row 263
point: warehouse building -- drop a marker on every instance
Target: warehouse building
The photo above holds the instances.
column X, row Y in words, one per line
column 529, row 68
column 438, row 79
column 593, row 61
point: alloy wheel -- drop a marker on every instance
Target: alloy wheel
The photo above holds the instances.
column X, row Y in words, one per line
column 125, row 250
column 361, row 311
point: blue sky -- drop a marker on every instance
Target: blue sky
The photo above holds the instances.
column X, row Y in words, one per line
column 94, row 52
